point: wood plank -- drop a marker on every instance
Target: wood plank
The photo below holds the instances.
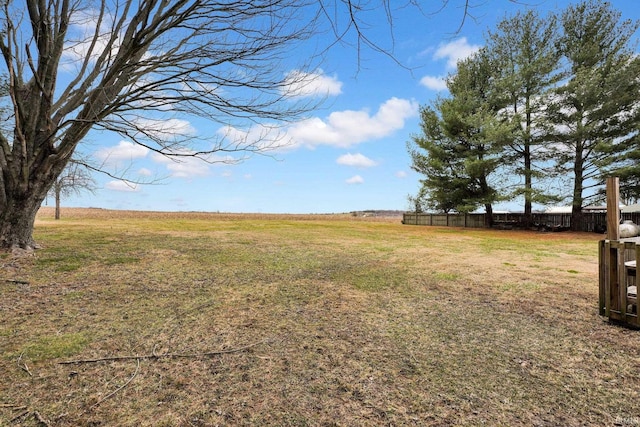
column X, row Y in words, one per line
column 613, row 208
column 602, row 274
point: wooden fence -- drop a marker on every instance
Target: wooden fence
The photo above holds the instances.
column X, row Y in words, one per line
column 445, row 220
column 591, row 222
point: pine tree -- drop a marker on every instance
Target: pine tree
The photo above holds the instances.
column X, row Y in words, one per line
column 595, row 110
column 462, row 141
column 524, row 52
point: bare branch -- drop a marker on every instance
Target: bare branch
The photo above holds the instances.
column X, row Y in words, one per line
column 119, row 388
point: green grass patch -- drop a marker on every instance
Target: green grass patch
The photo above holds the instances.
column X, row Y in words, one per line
column 447, row 276
column 55, row 346
column 63, row 261
column 115, row 260
column 377, row 278
column 520, row 287
column 74, row 295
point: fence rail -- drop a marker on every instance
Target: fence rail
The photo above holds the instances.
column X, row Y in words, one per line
column 591, row 222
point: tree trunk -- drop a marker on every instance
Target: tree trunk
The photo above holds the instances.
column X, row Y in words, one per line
column 488, row 216
column 578, row 182
column 57, row 191
column 17, row 221
column 576, row 218
column 528, row 184
column 19, row 204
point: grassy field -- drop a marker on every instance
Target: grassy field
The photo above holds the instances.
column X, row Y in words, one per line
column 213, row 319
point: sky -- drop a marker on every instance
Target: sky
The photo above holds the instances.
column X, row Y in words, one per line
column 350, row 153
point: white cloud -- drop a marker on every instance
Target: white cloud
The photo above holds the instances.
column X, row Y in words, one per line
column 124, row 186
column 302, row 84
column 340, row 129
column 84, row 25
column 263, row 136
column 144, row 172
column 125, row 151
column 347, row 128
column 434, row 83
column 455, row 51
column 356, row 179
column 357, row 160
column 87, row 38
column 170, row 129
column 85, row 35
column 183, row 166
column 401, row 174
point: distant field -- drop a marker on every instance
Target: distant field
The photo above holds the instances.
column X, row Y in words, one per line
column 97, row 213
column 194, row 319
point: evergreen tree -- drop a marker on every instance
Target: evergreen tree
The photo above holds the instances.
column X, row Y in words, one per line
column 446, row 186
column 595, row 110
column 462, row 141
column 524, row 52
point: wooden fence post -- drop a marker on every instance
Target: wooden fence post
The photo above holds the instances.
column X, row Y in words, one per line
column 613, row 208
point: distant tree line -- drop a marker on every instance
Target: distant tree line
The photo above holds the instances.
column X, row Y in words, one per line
column 547, row 109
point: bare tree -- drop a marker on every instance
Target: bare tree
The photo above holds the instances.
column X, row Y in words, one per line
column 127, row 65
column 74, row 179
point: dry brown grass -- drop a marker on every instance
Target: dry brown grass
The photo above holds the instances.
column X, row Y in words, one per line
column 358, row 322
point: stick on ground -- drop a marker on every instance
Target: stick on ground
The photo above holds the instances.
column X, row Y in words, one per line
column 154, row 356
column 119, row 388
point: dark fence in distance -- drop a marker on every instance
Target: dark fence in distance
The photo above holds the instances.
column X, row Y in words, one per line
column 591, row 222
column 445, row 220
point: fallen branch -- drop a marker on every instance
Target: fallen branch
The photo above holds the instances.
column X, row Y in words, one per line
column 20, row 415
column 154, row 356
column 25, row 413
column 24, row 366
column 12, row 406
column 119, row 388
column 40, row 420
column 19, row 282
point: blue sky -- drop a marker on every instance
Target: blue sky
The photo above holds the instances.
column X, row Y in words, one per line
column 350, row 154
